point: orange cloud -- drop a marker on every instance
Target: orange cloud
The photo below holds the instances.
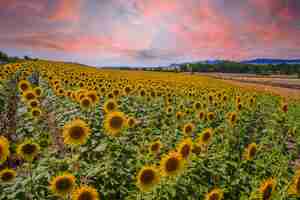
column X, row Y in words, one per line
column 66, row 10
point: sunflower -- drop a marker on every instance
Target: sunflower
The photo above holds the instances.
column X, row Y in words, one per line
column 34, row 103
column 197, row 105
column 215, row 194
column 172, row 164
column 169, row 110
column 86, row 102
column 4, row 149
column 185, row 147
column 250, row 151
column 179, row 115
column 37, row 91
column 267, row 188
column 62, row 185
column 24, row 85
column 294, row 188
column 85, row 193
column 284, row 107
column 76, row 132
column 196, row 149
column 205, row 137
column 188, row 128
column 93, row 96
column 131, row 122
column 29, row 95
column 210, row 116
column 147, row 178
column 155, row 147
column 232, row 118
column 114, row 122
column 28, row 150
column 201, row 115
column 110, row 106
column 7, row 175
column 36, row 112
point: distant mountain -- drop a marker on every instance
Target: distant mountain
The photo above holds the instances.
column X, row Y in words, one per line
column 265, row 61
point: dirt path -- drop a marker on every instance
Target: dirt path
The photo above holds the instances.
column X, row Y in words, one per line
column 282, row 91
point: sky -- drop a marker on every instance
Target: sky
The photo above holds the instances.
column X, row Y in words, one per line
column 150, row 32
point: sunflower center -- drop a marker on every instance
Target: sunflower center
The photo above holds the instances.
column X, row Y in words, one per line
column 24, row 86
column 29, row 148
column 63, row 184
column 38, row 91
column 267, row 192
column 206, row 137
column 93, row 97
column 147, row 176
column 85, row 196
column 85, row 102
column 35, row 113
column 185, row 151
column 172, row 164
column 233, row 117
column 76, row 132
column 116, row 122
column 155, row 147
column 252, row 152
column 131, row 122
column 214, row 196
column 30, row 96
column 298, row 184
column 33, row 104
column 7, row 176
column 110, row 106
column 1, row 150
column 188, row 129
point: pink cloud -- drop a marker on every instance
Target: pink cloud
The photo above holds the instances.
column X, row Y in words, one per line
column 66, row 10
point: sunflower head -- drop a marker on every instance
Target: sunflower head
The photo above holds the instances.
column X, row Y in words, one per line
column 201, row 115
column 185, row 148
column 197, row 105
column 76, row 132
column 24, row 85
column 179, row 115
column 86, row 102
column 267, row 188
column 28, row 150
column 250, row 151
column 110, row 106
column 172, row 164
column 147, row 178
column 85, row 193
column 93, row 96
column 4, row 149
column 215, row 194
column 205, row 137
column 155, row 147
column 188, row 128
column 114, row 122
column 131, row 122
column 7, row 175
column 232, row 118
column 210, row 116
column 284, row 107
column 62, row 185
column 294, row 188
column 29, row 95
column 34, row 103
column 36, row 112
column 37, row 91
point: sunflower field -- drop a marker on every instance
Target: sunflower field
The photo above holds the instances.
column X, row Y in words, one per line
column 74, row 132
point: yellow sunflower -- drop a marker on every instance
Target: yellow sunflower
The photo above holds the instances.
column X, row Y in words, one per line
column 147, row 178
column 7, row 175
column 267, row 189
column 36, row 112
column 179, row 115
column 28, row 150
column 34, row 103
column 250, row 151
column 37, row 91
column 172, row 164
column 110, row 106
column 76, row 132
column 24, row 85
column 114, row 122
column 205, row 137
column 201, row 115
column 85, row 193
column 29, row 95
column 185, row 148
column 210, row 116
column 93, row 96
column 294, row 188
column 215, row 194
column 131, row 122
column 63, row 185
column 4, row 149
column 232, row 118
column 86, row 102
column 188, row 128
column 155, row 147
